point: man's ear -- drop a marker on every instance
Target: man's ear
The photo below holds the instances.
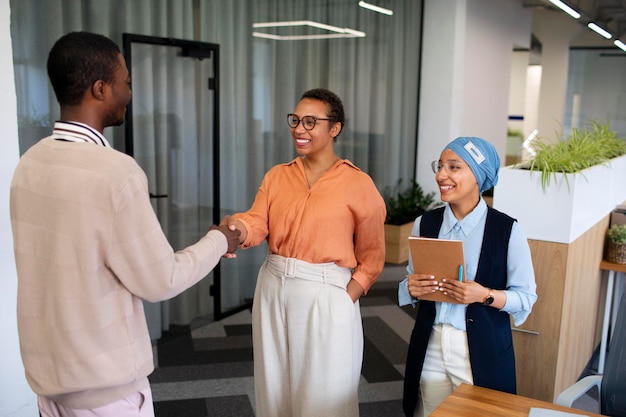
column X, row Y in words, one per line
column 97, row 89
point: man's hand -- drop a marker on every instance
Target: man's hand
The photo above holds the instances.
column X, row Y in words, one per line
column 233, row 224
column 232, row 236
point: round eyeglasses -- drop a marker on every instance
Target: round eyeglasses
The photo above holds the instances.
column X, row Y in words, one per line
column 448, row 166
column 308, row 122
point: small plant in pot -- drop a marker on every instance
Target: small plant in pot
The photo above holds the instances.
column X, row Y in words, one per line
column 404, row 206
column 616, row 244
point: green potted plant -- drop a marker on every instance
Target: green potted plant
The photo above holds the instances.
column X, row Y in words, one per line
column 568, row 186
column 404, row 205
column 594, row 144
column 616, row 244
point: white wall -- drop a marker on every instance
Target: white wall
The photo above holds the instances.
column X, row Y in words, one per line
column 518, row 83
column 531, row 103
column 466, row 71
column 444, row 23
column 16, row 398
column 555, row 31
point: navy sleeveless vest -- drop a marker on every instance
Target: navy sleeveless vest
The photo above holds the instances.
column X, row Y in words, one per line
column 488, row 330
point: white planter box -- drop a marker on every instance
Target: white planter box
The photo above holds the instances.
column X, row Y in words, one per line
column 561, row 214
column 618, row 184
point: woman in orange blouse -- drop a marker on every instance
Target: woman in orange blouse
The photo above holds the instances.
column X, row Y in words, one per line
column 323, row 221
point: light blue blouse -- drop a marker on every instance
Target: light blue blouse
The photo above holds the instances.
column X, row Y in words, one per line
column 521, row 287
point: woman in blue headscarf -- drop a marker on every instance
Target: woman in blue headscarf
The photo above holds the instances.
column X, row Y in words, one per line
column 468, row 341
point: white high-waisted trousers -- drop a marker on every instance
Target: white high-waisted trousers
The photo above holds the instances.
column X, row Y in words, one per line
column 308, row 340
column 446, row 366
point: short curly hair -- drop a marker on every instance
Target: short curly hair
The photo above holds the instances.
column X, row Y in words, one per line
column 77, row 60
column 335, row 106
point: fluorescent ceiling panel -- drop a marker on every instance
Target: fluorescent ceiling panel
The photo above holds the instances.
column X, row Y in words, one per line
column 599, row 30
column 375, row 8
column 337, row 31
column 566, row 8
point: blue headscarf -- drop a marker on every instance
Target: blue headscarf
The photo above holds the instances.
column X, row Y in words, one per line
column 482, row 158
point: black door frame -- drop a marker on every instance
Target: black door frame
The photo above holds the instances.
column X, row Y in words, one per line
column 197, row 50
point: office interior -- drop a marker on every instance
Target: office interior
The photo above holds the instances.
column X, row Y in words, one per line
column 434, row 70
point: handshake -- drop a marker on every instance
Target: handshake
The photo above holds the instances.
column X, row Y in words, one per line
column 235, row 234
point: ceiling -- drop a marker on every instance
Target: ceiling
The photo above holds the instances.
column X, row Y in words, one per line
column 609, row 14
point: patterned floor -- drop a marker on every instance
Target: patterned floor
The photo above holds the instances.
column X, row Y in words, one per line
column 205, row 369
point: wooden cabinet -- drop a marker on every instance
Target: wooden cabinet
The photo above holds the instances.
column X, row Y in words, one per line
column 554, row 345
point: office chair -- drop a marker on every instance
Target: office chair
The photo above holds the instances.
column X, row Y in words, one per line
column 612, row 385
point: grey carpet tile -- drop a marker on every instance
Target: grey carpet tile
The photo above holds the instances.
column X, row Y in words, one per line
column 202, row 372
column 381, row 409
column 229, row 406
column 238, row 405
column 181, row 354
column 238, row 329
column 221, row 343
column 373, row 299
column 206, row 388
column 181, row 408
column 376, row 367
column 392, row 346
column 371, row 392
column 400, row 320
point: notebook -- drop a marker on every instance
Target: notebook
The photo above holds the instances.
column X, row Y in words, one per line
column 442, row 258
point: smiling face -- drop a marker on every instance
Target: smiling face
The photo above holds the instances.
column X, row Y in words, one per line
column 457, row 183
column 320, row 139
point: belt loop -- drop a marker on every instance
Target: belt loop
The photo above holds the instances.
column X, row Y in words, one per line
column 324, row 276
column 290, row 267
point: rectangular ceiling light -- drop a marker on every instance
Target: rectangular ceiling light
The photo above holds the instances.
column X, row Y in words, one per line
column 337, row 32
column 599, row 30
column 566, row 8
column 620, row 45
column 375, row 8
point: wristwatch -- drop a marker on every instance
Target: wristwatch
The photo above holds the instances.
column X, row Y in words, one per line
column 489, row 299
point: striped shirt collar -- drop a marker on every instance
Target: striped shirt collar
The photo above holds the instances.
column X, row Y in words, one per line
column 78, row 132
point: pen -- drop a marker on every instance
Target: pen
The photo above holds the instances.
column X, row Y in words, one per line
column 460, row 273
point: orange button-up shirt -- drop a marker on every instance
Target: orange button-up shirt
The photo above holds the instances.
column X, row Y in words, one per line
column 339, row 219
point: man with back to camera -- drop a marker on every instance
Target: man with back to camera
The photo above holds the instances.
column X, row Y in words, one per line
column 88, row 246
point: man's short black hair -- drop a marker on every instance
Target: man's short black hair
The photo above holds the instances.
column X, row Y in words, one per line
column 79, row 59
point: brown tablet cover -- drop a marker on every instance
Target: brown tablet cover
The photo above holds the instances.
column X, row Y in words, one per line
column 438, row 257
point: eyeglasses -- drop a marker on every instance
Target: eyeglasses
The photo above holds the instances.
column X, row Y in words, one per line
column 449, row 166
column 308, row 122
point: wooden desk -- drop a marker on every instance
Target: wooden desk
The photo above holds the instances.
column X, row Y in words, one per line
column 472, row 401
